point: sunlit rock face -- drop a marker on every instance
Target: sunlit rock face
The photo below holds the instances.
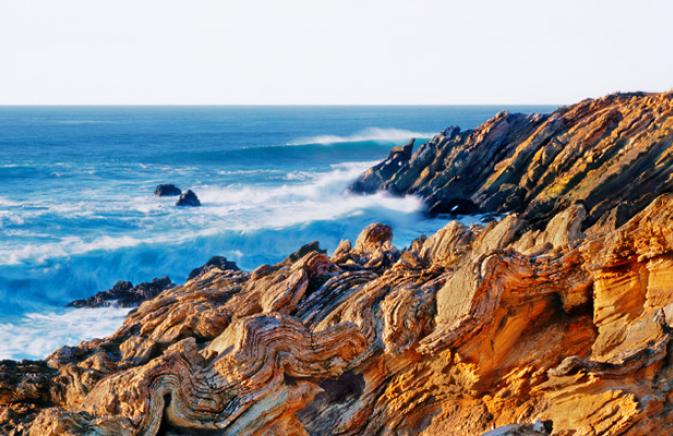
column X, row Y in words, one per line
column 613, row 154
column 549, row 320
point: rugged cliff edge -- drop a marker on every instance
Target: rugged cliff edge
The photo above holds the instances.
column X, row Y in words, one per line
column 556, row 319
column 613, row 154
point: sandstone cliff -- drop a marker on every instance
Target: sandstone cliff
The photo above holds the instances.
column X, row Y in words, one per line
column 555, row 319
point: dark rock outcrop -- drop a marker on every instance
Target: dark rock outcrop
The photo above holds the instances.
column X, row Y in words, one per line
column 124, row 294
column 167, row 190
column 377, row 177
column 214, row 262
column 188, row 198
column 612, row 154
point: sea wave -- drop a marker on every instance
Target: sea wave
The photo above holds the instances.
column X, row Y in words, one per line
column 321, row 196
column 7, row 202
column 35, row 335
column 306, row 197
column 67, row 246
column 374, row 134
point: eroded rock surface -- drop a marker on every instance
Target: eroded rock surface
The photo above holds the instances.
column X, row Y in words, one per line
column 554, row 323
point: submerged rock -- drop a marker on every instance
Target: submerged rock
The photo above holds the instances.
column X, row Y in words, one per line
column 167, row 190
column 188, row 198
column 124, row 294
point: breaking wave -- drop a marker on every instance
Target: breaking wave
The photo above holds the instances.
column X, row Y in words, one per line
column 373, row 134
column 36, row 335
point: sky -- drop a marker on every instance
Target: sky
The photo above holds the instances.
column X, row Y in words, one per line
column 331, row 52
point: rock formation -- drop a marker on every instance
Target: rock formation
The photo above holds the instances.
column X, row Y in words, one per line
column 613, row 154
column 214, row 262
column 554, row 319
column 124, row 294
column 167, row 190
column 188, row 198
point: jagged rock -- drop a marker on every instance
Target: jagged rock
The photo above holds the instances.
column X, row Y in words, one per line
column 607, row 153
column 24, row 389
column 304, row 250
column 544, row 321
column 167, row 190
column 374, row 178
column 188, row 198
column 214, row 262
column 124, row 294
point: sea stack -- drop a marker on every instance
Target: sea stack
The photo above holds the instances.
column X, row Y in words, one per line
column 188, row 198
column 167, row 190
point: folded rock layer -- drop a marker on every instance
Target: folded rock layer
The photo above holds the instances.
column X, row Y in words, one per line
column 549, row 320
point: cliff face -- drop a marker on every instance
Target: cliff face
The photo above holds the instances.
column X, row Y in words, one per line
column 551, row 320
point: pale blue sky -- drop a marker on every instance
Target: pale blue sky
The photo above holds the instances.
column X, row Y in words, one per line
column 331, row 52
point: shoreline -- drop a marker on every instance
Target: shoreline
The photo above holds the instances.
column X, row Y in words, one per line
column 541, row 321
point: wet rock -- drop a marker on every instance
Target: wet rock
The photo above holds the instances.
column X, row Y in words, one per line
column 374, row 179
column 214, row 262
column 304, row 250
column 124, row 294
column 188, row 198
column 167, row 190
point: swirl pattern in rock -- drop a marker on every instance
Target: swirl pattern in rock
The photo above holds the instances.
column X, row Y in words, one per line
column 549, row 320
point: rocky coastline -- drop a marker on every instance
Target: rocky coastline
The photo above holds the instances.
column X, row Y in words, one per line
column 555, row 319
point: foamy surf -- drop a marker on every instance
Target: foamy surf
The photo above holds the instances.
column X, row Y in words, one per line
column 373, row 134
column 306, row 197
column 36, row 335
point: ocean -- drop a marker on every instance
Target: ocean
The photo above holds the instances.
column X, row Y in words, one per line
column 77, row 210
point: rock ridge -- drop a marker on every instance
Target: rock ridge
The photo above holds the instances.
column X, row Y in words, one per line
column 612, row 154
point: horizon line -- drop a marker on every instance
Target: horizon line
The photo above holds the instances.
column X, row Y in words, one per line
column 8, row 105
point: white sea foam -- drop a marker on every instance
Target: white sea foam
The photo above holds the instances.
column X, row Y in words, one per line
column 370, row 134
column 36, row 335
column 322, row 197
column 67, row 246
column 307, row 197
column 7, row 202
column 245, row 172
column 7, row 217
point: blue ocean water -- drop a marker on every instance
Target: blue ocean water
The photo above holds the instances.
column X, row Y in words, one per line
column 77, row 211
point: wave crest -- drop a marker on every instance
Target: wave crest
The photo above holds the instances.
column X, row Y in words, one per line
column 35, row 335
column 374, row 134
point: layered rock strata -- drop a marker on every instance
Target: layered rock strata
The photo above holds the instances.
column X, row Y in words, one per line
column 558, row 321
column 613, row 154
